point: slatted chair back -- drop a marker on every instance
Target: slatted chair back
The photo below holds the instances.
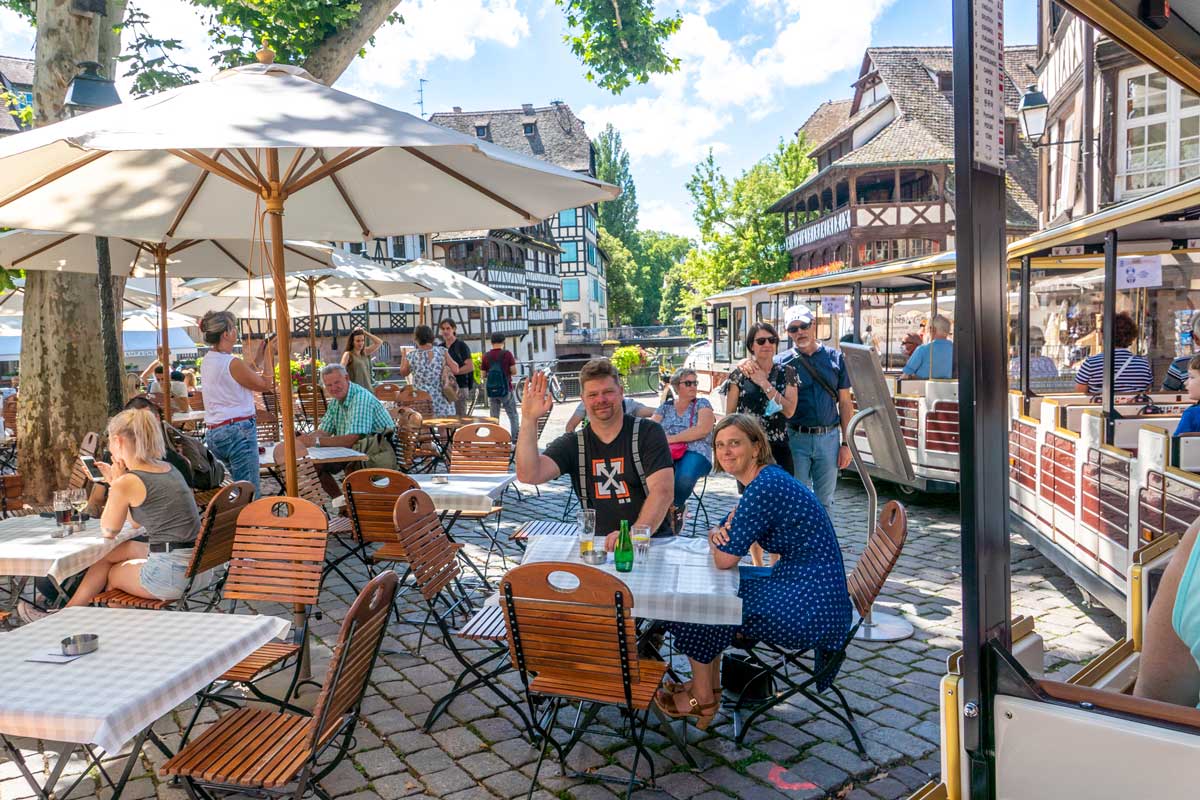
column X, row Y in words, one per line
column 582, row 634
column 10, row 414
column 481, row 447
column 388, row 391
column 312, row 403
column 411, row 397
column 431, row 554
column 88, row 446
column 218, row 527
column 879, row 557
column 371, row 500
column 353, row 658
column 196, row 400
column 12, row 496
column 308, row 482
column 267, row 427
column 278, row 552
column 413, row 441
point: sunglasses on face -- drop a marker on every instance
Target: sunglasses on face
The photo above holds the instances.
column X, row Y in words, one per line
column 799, row 326
column 761, row 340
column 689, row 383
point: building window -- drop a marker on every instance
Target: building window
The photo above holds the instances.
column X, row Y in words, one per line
column 570, row 251
column 1160, row 132
column 589, row 219
column 1010, row 137
column 945, row 81
column 596, row 289
column 566, row 218
column 570, row 289
column 530, row 128
column 481, row 131
column 591, row 254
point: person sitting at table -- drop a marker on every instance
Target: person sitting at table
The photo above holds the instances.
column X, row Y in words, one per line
column 619, row 465
column 802, row 602
column 146, row 491
column 688, row 421
column 1131, row 373
column 354, row 418
column 935, row 358
column 630, row 405
column 427, row 368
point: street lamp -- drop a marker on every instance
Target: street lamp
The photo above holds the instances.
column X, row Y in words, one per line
column 88, row 91
column 1033, row 110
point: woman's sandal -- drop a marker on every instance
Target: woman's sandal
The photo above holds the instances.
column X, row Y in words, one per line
column 671, row 688
column 703, row 713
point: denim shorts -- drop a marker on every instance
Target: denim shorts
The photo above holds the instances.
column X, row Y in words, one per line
column 164, row 575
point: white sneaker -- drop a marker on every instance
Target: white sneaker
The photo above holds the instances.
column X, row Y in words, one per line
column 29, row 613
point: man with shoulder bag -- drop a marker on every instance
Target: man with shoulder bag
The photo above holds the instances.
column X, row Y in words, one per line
column 356, row 419
column 817, row 429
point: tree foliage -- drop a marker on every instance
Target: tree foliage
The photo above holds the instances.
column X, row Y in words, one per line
column 623, row 300
column 658, row 255
column 149, row 60
column 620, row 216
column 619, row 41
column 26, row 8
column 740, row 242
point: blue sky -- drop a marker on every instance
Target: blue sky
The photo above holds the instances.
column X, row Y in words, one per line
column 753, row 71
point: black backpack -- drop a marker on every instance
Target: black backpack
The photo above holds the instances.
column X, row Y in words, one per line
column 207, row 469
column 497, row 380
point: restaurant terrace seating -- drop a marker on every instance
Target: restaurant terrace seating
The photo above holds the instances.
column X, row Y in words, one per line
column 482, row 448
column 411, row 397
column 388, row 392
column 257, row 751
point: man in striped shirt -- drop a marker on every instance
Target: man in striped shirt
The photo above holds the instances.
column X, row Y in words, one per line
column 1131, row 373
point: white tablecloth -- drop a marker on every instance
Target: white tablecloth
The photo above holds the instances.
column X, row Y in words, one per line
column 319, row 455
column 464, row 492
column 26, row 549
column 148, row 663
column 677, row 582
column 180, row 417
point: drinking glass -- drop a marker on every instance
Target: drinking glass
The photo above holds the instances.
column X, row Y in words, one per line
column 641, row 540
column 62, row 509
column 585, row 546
column 79, row 502
column 587, row 522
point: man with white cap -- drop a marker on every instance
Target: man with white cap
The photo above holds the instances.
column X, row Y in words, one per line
column 817, row 430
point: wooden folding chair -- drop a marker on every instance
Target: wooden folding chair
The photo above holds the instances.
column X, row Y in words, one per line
column 578, row 644
column 387, row 392
column 309, row 487
column 278, row 555
column 482, row 448
column 788, row 668
column 8, row 450
column 213, row 549
column 275, row 753
column 312, row 404
column 411, row 397
column 415, row 448
column 196, row 400
column 435, row 562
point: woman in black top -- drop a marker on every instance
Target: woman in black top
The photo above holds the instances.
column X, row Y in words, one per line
column 765, row 390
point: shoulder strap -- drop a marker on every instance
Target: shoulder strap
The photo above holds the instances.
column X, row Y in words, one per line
column 824, row 384
column 637, row 456
column 583, row 477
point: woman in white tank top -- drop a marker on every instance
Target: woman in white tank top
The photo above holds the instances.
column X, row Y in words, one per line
column 229, row 384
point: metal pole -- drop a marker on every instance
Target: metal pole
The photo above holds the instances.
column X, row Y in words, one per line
column 160, row 260
column 887, row 331
column 1023, row 354
column 1089, row 104
column 856, row 299
column 877, row 626
column 312, row 343
column 114, row 362
column 1109, row 402
column 932, row 302
column 981, row 326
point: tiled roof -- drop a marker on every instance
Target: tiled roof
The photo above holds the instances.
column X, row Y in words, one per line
column 559, row 136
column 17, row 71
column 828, row 117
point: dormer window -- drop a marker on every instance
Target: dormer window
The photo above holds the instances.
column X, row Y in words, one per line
column 481, row 131
column 945, row 81
column 530, row 128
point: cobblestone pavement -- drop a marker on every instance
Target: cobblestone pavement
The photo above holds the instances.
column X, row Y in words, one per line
column 475, row 751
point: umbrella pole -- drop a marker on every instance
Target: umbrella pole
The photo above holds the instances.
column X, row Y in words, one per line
column 283, row 325
column 160, row 259
column 312, row 343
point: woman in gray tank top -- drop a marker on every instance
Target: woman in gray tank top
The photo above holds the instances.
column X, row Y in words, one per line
column 147, row 492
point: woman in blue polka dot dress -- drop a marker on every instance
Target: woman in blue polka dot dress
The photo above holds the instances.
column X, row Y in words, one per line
column 802, row 602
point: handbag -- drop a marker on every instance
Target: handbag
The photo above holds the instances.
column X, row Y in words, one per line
column 449, row 384
column 744, row 680
column 378, row 449
column 678, row 449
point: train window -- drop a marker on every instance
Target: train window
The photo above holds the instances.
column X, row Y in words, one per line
column 721, row 332
column 740, row 329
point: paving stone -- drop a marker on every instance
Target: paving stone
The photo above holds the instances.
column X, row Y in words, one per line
column 343, row 780
column 447, row 781
column 428, row 761
column 402, row 784
column 458, row 742
column 902, row 741
column 377, row 763
column 682, row 785
column 481, row 765
column 887, row 789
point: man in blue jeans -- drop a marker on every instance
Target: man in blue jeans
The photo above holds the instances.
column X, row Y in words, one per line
column 816, row 431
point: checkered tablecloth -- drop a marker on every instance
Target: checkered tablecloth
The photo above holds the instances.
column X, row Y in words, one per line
column 148, row 663
column 26, row 549
column 677, row 582
column 545, row 527
column 464, row 492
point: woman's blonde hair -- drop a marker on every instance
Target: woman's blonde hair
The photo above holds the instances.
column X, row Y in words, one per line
column 142, row 431
column 754, row 433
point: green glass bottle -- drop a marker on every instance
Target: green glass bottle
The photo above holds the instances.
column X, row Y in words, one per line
column 623, row 553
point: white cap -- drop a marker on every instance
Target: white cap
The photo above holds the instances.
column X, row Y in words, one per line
column 799, row 313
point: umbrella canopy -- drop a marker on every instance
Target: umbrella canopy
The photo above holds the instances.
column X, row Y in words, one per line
column 135, row 343
column 150, row 320
column 12, row 304
column 190, row 163
column 253, row 306
column 448, row 288
column 351, row 283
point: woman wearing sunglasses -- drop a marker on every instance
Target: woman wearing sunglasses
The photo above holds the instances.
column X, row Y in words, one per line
column 765, row 390
column 688, row 421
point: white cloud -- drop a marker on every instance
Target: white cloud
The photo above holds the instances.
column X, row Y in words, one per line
column 658, row 215
column 740, row 77
column 16, row 35
column 433, row 30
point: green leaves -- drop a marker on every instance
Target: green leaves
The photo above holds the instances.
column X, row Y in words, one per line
column 624, row 302
column 148, row 59
column 619, row 217
column 619, row 41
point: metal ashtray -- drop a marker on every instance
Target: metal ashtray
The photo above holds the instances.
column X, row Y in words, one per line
column 595, row 557
column 80, row 644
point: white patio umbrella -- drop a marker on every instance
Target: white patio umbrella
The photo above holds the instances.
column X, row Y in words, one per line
column 209, row 159
column 448, row 288
column 12, row 304
column 252, row 306
column 150, row 320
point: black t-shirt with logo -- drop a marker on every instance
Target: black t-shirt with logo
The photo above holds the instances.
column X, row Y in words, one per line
column 614, row 488
column 460, row 351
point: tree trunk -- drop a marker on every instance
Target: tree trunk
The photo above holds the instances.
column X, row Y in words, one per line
column 62, row 375
column 111, row 288
column 330, row 59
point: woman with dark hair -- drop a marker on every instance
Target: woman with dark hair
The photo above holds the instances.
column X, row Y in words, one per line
column 1131, row 373
column 357, row 357
column 765, row 390
column 688, row 422
column 800, row 603
column 428, row 365
column 229, row 387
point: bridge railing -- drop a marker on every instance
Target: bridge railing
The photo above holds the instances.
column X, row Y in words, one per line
column 623, row 333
